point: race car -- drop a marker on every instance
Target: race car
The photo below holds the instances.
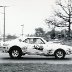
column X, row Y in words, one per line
column 35, row 46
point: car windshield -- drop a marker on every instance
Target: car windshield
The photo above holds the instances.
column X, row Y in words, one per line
column 38, row 41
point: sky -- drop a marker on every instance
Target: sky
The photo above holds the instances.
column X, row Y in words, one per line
column 31, row 13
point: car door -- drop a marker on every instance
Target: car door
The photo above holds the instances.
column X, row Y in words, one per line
column 38, row 45
column 30, row 46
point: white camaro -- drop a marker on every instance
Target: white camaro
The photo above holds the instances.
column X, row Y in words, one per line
column 35, row 46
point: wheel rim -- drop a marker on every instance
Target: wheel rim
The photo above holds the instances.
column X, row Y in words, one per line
column 59, row 54
column 15, row 53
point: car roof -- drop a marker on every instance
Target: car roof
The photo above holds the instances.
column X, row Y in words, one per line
column 24, row 37
column 30, row 37
column 33, row 37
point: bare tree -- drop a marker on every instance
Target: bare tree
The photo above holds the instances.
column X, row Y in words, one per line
column 53, row 23
column 64, row 12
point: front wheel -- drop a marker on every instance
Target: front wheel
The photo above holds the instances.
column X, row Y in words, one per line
column 15, row 53
column 59, row 54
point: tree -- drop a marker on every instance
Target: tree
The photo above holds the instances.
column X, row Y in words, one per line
column 52, row 34
column 53, row 23
column 63, row 14
column 39, row 32
column 11, row 37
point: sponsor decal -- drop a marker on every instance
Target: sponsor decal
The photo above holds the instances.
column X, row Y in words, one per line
column 37, row 47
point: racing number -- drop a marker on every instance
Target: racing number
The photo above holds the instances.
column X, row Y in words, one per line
column 37, row 47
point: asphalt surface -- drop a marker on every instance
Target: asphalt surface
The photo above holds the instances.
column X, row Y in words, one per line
column 4, row 58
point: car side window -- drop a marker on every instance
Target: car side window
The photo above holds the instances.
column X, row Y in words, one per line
column 28, row 40
column 38, row 41
column 31, row 40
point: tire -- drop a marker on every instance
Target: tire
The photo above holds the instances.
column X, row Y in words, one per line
column 59, row 54
column 15, row 53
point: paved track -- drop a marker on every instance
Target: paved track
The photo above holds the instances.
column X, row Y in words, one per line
column 4, row 58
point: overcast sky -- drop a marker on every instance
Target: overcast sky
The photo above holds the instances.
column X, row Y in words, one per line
column 31, row 13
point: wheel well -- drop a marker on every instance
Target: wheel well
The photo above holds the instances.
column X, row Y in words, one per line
column 61, row 50
column 15, row 47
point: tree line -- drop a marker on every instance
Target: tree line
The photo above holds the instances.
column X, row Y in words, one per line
column 62, row 15
column 63, row 34
column 62, row 19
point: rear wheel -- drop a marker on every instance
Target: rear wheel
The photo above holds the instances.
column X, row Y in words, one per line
column 15, row 53
column 59, row 54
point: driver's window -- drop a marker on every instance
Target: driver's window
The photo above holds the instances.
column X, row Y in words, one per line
column 38, row 41
column 29, row 40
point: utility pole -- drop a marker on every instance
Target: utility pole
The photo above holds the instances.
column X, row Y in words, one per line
column 22, row 29
column 4, row 22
